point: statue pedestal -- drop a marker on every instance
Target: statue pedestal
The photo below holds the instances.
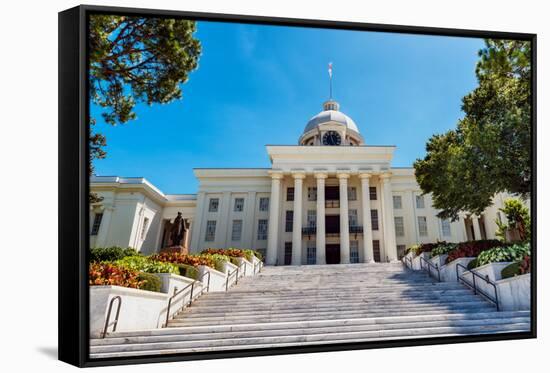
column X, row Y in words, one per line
column 175, row 249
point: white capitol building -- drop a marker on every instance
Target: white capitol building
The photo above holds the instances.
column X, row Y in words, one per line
column 329, row 199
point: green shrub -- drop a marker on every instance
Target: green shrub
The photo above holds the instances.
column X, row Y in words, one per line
column 145, row 264
column 444, row 248
column 504, row 254
column 188, row 271
column 149, row 281
column 472, row 264
column 111, row 254
column 520, row 267
column 219, row 261
column 511, row 270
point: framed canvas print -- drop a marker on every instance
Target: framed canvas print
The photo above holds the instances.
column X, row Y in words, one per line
column 235, row 186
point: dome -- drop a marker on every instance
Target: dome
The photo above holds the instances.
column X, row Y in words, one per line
column 332, row 114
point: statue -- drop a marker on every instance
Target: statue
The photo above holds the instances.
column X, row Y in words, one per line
column 178, row 230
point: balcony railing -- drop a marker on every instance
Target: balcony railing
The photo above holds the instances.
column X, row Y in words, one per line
column 355, row 229
column 309, row 231
column 332, row 203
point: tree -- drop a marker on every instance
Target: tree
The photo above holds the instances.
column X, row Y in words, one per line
column 490, row 150
column 136, row 59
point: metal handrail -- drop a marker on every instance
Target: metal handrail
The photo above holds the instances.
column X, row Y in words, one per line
column 191, row 297
column 230, row 274
column 259, row 265
column 430, row 266
column 115, row 322
column 474, row 287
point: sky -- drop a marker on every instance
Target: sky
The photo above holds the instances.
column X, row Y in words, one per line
column 258, row 85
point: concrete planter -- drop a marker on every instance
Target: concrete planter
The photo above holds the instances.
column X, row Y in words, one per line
column 246, row 267
column 140, row 309
column 515, row 293
column 439, row 260
column 448, row 271
column 416, row 260
column 170, row 282
column 256, row 264
column 217, row 278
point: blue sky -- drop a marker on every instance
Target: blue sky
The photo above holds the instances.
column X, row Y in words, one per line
column 259, row 85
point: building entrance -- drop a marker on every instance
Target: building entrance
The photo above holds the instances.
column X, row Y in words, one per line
column 333, row 253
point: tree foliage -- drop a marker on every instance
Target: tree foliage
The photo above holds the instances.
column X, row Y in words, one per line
column 137, row 59
column 490, row 150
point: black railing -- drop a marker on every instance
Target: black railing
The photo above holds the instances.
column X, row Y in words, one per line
column 355, row 229
column 107, row 319
column 309, row 231
column 332, row 203
column 473, row 285
column 429, row 266
column 190, row 288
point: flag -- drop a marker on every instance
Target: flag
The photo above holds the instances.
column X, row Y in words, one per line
column 330, row 69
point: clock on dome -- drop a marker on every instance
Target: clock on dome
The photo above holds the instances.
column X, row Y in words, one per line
column 332, row 138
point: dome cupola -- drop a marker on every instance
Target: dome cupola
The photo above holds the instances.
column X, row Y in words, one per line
column 331, row 127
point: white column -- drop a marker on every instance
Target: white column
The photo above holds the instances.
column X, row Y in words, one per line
column 297, row 218
column 101, row 239
column 389, row 223
column 198, row 223
column 344, row 218
column 320, row 231
column 477, row 229
column 368, row 254
column 273, row 224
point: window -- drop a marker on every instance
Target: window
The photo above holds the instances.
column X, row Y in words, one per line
column 353, row 218
column 239, row 204
column 354, row 251
column 419, row 202
column 374, row 219
column 213, row 204
column 289, row 220
column 446, row 227
column 236, row 230
column 144, row 228
column 311, row 218
column 262, row 229
column 399, row 226
column 97, row 223
column 264, row 204
column 290, row 194
column 288, row 253
column 372, row 193
column 312, row 193
column 210, row 230
column 401, row 251
column 397, row 203
column 376, row 250
column 422, row 226
column 352, row 194
column 311, row 253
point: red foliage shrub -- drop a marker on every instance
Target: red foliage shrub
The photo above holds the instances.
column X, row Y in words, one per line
column 472, row 249
column 235, row 253
column 525, row 265
column 178, row 258
column 109, row 274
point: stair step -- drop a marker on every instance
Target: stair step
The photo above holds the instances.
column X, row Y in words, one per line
column 305, row 338
column 321, row 323
column 304, row 331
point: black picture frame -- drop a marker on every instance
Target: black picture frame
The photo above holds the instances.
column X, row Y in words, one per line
column 73, row 103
